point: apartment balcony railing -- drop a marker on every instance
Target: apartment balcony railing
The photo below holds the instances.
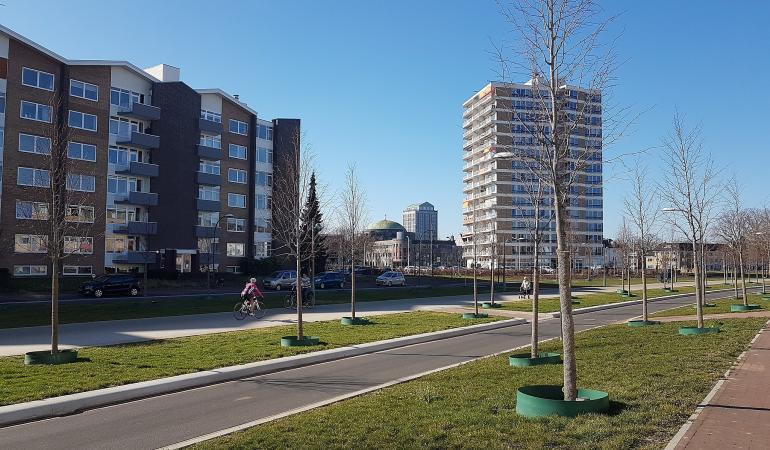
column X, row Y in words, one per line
column 205, row 232
column 139, row 169
column 139, row 198
column 214, row 179
column 135, row 257
column 141, row 111
column 209, row 126
column 138, row 228
column 204, row 151
column 141, row 140
column 208, row 205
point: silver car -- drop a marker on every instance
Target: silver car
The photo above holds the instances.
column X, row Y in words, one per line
column 391, row 279
column 282, row 279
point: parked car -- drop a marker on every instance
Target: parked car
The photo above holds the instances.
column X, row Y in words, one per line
column 391, row 279
column 281, row 279
column 547, row 269
column 330, row 279
column 111, row 285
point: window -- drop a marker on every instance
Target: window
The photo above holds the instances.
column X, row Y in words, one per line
column 30, row 271
column 30, row 243
column 236, row 200
column 263, row 225
column 77, row 150
column 82, row 120
column 208, row 218
column 82, row 183
column 84, row 90
column 236, row 249
column 122, row 185
column 264, row 155
column 79, row 245
column 34, row 144
column 264, row 179
column 83, row 214
column 233, row 269
column 238, row 127
column 27, row 210
column 208, row 245
column 35, row 111
column 211, row 141
column 2, row 102
column 37, row 79
column 207, row 166
column 236, row 176
column 261, row 249
column 236, row 225
column 208, row 193
column 211, row 116
column 77, row 270
column 124, row 98
column 120, row 245
column 120, row 215
column 124, row 127
column 265, row 132
column 237, row 151
column 122, row 155
column 33, row 177
column 261, row 201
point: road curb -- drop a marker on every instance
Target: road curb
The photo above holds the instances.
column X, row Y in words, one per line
column 73, row 403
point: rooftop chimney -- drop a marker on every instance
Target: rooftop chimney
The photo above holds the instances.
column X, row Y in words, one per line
column 164, row 72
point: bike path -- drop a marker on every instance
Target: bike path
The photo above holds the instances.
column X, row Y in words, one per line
column 173, row 418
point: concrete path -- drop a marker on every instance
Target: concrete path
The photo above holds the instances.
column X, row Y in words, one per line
column 170, row 419
column 736, row 416
column 17, row 341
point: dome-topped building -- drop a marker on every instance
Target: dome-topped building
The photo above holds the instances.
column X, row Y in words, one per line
column 385, row 229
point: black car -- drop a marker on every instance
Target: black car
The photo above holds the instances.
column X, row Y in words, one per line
column 330, row 279
column 111, row 285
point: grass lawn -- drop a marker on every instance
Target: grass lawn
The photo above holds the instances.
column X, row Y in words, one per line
column 12, row 316
column 548, row 305
column 121, row 364
column 723, row 306
column 655, row 379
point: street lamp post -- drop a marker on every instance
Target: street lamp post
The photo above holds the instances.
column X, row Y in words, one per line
column 211, row 248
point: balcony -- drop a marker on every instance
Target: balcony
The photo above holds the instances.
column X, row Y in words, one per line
column 205, row 232
column 209, row 178
column 138, row 228
column 205, row 151
column 209, row 126
column 139, row 169
column 139, row 198
column 141, row 140
column 135, row 258
column 209, row 205
column 141, row 111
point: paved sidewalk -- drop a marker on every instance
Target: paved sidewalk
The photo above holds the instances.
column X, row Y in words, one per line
column 736, row 416
column 740, row 315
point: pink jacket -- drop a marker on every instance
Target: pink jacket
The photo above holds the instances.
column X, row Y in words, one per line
column 252, row 290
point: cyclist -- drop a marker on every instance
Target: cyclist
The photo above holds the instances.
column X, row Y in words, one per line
column 250, row 293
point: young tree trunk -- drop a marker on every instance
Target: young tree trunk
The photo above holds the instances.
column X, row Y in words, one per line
column 300, row 328
column 535, row 301
column 54, row 306
column 644, row 293
column 698, row 287
column 352, row 281
column 743, row 278
column 565, row 300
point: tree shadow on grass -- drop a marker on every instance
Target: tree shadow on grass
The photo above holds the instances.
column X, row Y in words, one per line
column 616, row 408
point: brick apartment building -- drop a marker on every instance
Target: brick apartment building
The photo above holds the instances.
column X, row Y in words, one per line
column 166, row 176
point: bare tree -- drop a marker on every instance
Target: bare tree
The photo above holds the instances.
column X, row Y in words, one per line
column 734, row 226
column 760, row 231
column 642, row 208
column 688, row 190
column 623, row 243
column 353, row 215
column 290, row 191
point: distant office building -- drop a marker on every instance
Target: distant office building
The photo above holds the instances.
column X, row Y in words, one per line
column 422, row 220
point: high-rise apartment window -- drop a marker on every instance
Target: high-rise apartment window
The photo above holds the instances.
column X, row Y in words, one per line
column 122, row 185
column 77, row 270
column 82, row 120
column 261, row 201
column 78, row 245
column 30, row 243
column 238, row 127
column 211, row 141
column 236, row 249
column 237, row 151
column 211, row 116
column 34, row 144
column 208, row 218
column 236, row 176
column 37, row 78
column 27, row 210
column 264, row 155
column 208, row 245
column 82, row 214
column 30, row 271
column 82, row 183
column 122, row 155
column 261, row 249
column 27, row 176
column 2, row 102
column 120, row 245
column 124, row 127
column 78, row 150
column 262, row 225
column 35, row 111
column 263, row 178
column 208, row 193
column 265, row 132
column 81, row 89
column 236, row 225
column 121, row 215
column 209, row 166
column 236, row 200
column 123, row 98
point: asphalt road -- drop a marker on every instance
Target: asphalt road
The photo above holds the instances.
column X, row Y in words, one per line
column 169, row 419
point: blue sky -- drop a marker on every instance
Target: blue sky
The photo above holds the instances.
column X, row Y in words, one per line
column 381, row 84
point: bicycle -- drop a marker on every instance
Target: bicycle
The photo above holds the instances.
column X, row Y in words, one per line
column 254, row 308
column 308, row 299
